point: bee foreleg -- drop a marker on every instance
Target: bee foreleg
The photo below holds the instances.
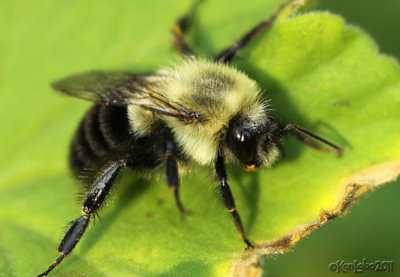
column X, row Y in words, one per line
column 92, row 202
column 173, row 176
column 228, row 198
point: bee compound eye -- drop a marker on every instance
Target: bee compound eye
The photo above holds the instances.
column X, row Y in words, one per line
column 246, row 146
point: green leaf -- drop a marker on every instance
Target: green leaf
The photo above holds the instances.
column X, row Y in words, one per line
column 317, row 71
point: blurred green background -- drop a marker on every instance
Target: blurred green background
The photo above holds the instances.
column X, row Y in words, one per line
column 364, row 231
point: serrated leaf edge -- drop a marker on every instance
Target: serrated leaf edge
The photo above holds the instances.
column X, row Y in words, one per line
column 247, row 263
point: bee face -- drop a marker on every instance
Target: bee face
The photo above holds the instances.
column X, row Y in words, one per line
column 250, row 142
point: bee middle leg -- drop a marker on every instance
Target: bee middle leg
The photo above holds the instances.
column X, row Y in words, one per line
column 228, row 198
column 173, row 176
column 228, row 54
column 180, row 28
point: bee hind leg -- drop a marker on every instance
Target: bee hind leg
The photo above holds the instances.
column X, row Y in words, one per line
column 180, row 28
column 92, row 202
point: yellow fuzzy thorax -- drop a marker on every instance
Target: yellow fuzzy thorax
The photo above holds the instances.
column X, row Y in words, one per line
column 215, row 91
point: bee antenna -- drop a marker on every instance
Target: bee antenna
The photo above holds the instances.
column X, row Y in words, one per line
column 291, row 127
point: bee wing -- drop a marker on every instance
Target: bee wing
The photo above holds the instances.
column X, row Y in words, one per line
column 122, row 88
column 105, row 87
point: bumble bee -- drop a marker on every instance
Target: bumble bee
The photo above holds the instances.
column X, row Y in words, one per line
column 197, row 112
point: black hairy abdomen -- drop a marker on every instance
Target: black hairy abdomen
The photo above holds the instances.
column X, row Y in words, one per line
column 104, row 136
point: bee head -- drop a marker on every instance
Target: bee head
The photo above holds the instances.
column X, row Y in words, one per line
column 252, row 143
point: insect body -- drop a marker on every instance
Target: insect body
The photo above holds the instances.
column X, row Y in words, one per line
column 199, row 112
